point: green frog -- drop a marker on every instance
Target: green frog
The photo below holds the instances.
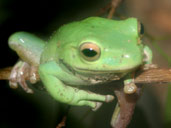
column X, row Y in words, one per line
column 82, row 53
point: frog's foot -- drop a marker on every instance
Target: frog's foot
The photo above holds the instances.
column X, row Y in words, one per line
column 130, row 87
column 149, row 66
column 108, row 98
column 19, row 74
column 95, row 100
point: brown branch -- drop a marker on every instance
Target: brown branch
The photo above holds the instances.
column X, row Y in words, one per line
column 127, row 102
column 151, row 76
column 62, row 123
column 111, row 7
column 114, row 5
column 5, row 73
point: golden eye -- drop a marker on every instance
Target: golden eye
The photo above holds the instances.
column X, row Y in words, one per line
column 90, row 51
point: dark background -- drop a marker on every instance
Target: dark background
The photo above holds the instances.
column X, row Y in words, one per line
column 21, row 110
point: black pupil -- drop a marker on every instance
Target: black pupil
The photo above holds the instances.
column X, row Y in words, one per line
column 142, row 29
column 89, row 52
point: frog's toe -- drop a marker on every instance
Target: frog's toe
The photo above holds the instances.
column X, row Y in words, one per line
column 24, row 85
column 18, row 75
column 98, row 105
column 94, row 105
column 33, row 74
column 99, row 97
column 130, row 88
column 109, row 98
column 13, row 76
column 95, row 100
column 13, row 84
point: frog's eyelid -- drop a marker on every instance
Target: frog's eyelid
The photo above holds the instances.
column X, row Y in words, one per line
column 90, row 51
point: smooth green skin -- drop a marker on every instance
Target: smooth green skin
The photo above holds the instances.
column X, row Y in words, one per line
column 62, row 68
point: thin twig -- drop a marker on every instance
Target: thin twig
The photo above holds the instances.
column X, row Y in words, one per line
column 103, row 10
column 111, row 7
column 5, row 73
column 114, row 5
column 62, row 123
column 127, row 102
column 124, row 109
column 151, row 76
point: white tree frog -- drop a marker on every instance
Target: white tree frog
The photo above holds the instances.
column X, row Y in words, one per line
column 83, row 53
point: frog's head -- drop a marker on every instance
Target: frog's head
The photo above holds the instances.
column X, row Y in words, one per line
column 98, row 45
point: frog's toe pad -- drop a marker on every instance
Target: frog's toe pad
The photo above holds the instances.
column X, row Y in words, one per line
column 109, row 98
column 13, row 84
column 98, row 105
column 130, row 88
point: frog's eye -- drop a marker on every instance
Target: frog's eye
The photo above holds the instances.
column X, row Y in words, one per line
column 141, row 28
column 90, row 51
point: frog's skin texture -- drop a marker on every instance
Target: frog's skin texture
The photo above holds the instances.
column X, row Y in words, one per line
column 92, row 51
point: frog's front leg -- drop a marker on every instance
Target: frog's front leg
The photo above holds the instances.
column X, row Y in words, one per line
column 29, row 49
column 129, row 85
column 148, row 59
column 51, row 75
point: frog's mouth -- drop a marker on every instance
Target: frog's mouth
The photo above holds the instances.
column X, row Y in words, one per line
column 95, row 76
column 102, row 71
column 93, row 72
column 88, row 71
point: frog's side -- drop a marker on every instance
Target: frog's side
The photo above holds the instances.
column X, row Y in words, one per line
column 92, row 51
